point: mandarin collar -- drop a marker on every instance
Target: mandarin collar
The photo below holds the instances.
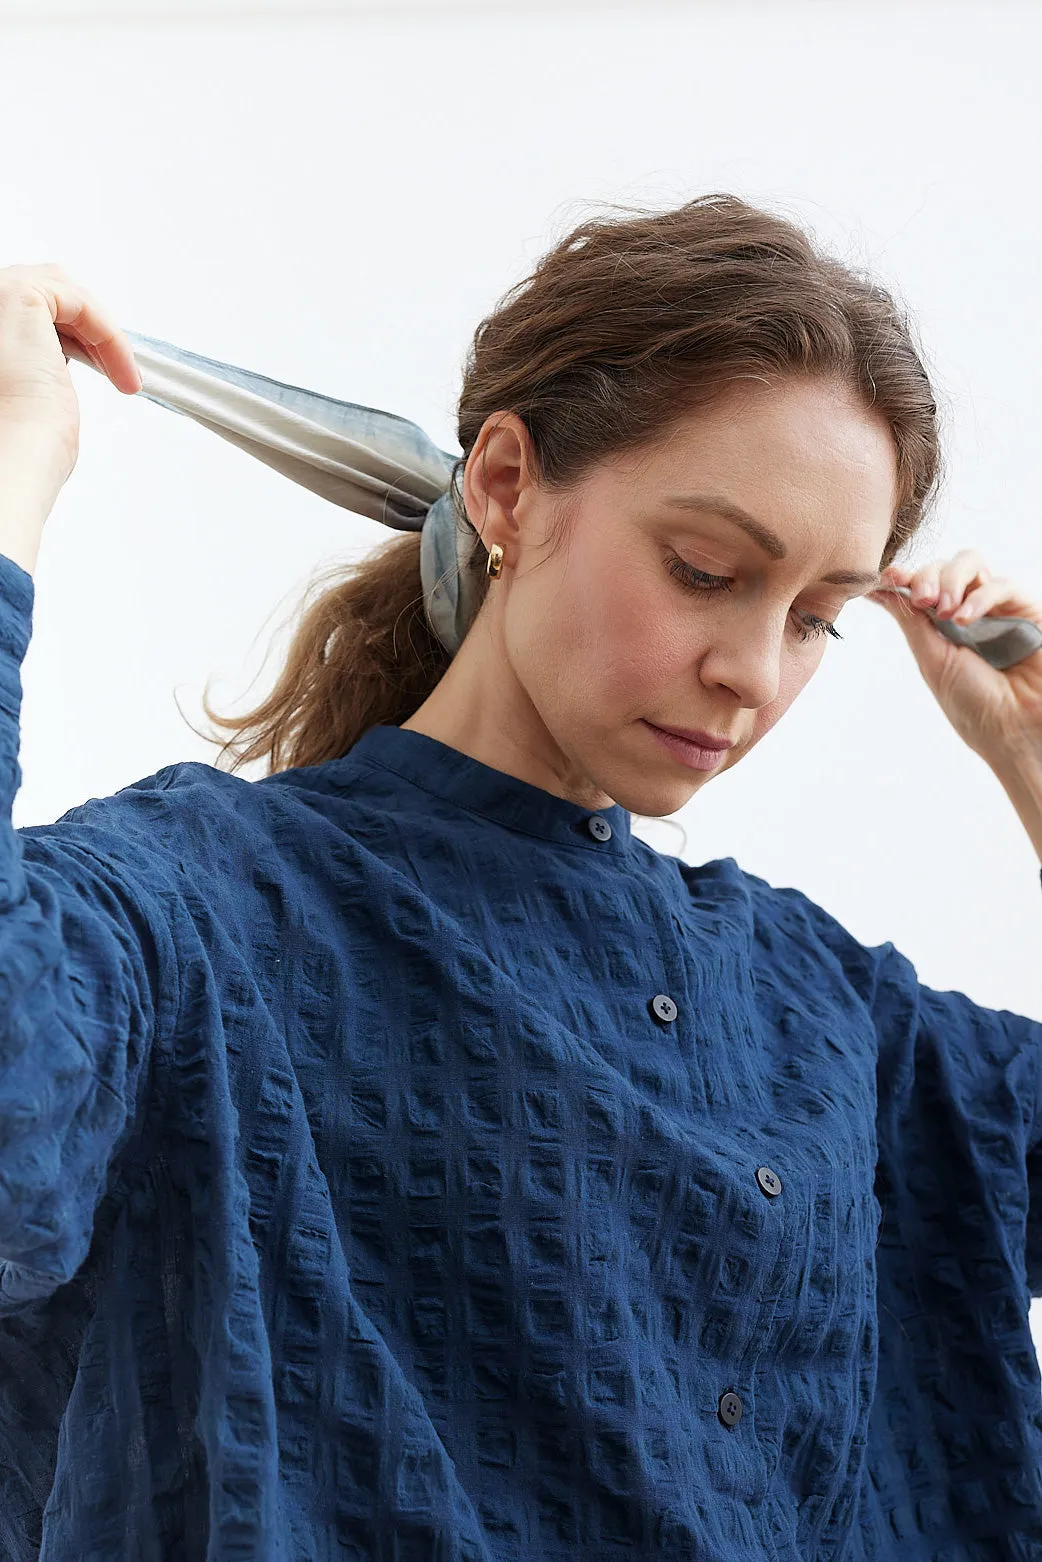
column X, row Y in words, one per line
column 457, row 778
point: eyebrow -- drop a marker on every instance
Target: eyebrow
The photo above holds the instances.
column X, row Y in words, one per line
column 770, row 542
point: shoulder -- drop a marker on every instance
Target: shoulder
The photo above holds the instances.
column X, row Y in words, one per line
column 174, row 798
column 189, row 794
column 157, row 833
column 785, row 925
column 890, row 979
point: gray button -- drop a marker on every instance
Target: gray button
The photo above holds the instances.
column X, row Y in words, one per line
column 769, row 1181
column 730, row 1409
column 663, row 1007
column 599, row 827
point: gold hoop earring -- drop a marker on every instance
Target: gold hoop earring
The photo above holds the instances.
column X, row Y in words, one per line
column 494, row 565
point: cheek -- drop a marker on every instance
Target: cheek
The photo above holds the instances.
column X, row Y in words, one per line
column 606, row 625
column 642, row 646
column 796, row 674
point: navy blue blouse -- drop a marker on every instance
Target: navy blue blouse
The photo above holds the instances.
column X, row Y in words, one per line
column 399, row 1162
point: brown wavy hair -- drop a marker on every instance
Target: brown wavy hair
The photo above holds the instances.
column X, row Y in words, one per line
column 625, row 326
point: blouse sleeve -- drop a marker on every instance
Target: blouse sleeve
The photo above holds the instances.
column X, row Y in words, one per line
column 87, row 971
column 959, row 1121
column 959, row 1116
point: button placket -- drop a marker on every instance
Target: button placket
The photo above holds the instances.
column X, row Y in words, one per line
column 729, row 1410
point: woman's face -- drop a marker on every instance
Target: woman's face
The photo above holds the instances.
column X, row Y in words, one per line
column 576, row 651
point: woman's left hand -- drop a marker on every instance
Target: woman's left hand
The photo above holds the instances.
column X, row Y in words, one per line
column 999, row 714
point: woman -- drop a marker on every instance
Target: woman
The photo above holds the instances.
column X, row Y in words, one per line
column 400, row 1159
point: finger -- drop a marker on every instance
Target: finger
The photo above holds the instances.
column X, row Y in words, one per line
column 996, row 595
column 899, row 606
column 924, row 583
column 78, row 314
column 81, row 316
column 896, row 575
column 963, row 573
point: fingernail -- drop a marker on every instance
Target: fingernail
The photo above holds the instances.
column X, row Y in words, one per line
column 945, row 602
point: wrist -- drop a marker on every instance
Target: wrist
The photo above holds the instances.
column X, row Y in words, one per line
column 34, row 460
column 1019, row 765
column 28, row 490
column 1020, row 775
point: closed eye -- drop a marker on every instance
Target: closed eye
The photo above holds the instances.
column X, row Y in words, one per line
column 808, row 626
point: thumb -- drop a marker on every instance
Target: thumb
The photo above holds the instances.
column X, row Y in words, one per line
column 928, row 646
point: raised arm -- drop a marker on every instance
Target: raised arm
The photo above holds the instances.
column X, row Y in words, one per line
column 86, row 961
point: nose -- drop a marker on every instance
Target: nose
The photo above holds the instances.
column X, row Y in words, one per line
column 746, row 656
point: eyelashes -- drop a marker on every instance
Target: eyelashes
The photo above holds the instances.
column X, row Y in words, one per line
column 693, row 579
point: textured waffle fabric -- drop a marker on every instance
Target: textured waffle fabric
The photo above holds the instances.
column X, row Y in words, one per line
column 397, row 1165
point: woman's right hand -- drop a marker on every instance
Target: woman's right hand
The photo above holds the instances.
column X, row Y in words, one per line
column 42, row 310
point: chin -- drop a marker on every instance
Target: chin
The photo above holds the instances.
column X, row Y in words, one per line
column 659, row 796
column 657, row 801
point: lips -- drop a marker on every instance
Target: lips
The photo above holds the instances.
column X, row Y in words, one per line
column 692, row 735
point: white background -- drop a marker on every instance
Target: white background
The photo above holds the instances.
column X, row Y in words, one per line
column 334, row 194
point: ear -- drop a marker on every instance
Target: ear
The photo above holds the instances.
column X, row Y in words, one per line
column 500, row 468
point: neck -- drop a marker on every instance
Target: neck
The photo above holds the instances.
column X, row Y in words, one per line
column 479, row 708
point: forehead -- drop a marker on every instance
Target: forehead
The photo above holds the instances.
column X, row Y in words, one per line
column 816, row 427
column 794, row 463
